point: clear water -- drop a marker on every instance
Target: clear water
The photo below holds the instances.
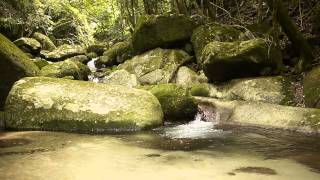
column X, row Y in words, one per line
column 192, row 151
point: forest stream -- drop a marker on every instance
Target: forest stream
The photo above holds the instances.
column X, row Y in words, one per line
column 191, row 151
column 160, row 89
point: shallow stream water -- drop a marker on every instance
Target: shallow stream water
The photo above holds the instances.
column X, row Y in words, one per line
column 191, row 151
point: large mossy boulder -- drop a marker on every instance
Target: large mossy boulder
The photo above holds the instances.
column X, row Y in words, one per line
column 311, row 88
column 264, row 115
column 222, row 61
column 62, row 53
column 28, row 45
column 176, row 101
column 122, row 77
column 67, row 68
column 207, row 33
column 274, row 90
column 43, row 103
column 14, row 65
column 154, row 31
column 117, row 54
column 45, row 41
column 157, row 66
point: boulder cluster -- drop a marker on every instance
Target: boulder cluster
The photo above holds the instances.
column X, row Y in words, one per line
column 169, row 66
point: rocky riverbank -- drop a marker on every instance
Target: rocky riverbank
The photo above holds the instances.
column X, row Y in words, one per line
column 171, row 65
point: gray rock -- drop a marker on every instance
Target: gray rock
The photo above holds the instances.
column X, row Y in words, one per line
column 187, row 77
column 274, row 90
column 62, row 53
column 222, row 61
column 43, row 103
column 157, row 66
column 122, row 77
column 264, row 115
column 154, row 31
column 65, row 68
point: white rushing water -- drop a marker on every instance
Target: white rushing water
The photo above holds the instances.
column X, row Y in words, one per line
column 196, row 129
column 92, row 66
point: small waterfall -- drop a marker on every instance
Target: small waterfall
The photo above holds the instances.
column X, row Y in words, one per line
column 203, row 126
column 92, row 66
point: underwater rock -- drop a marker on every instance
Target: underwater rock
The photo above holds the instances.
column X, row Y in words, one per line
column 264, row 115
column 311, row 88
column 157, row 66
column 176, row 101
column 154, row 31
column 43, row 103
column 14, row 65
column 62, row 53
column 66, row 68
column 122, row 77
column 28, row 45
column 45, row 41
column 222, row 61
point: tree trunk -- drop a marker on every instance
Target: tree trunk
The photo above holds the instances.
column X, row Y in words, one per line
column 295, row 36
column 182, row 7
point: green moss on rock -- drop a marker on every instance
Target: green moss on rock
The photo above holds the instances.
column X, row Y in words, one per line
column 43, row 103
column 311, row 88
column 202, row 90
column 176, row 101
column 157, row 66
column 207, row 33
column 123, row 78
column 65, row 68
column 14, row 64
column 40, row 62
column 222, row 61
column 45, row 41
column 28, row 45
column 154, row 31
column 62, row 53
column 117, row 54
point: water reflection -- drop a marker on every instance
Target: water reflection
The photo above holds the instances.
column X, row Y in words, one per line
column 174, row 152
